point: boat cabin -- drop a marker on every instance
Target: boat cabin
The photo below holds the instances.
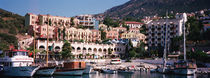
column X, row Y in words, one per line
column 16, row 58
column 185, row 64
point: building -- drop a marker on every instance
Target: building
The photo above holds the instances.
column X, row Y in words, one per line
column 112, row 34
column 56, row 25
column 98, row 50
column 84, row 49
column 120, row 29
column 133, row 24
column 24, row 41
column 155, row 30
column 130, row 35
column 88, row 21
column 56, row 45
column 33, row 19
column 87, row 35
column 134, row 30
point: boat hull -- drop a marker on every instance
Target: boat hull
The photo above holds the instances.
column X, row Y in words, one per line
column 128, row 72
column 185, row 71
column 46, row 71
column 109, row 71
column 25, row 71
column 88, row 70
column 70, row 73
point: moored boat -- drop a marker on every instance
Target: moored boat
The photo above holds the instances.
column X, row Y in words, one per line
column 70, row 72
column 185, row 68
column 109, row 71
column 46, row 71
column 73, row 68
column 17, row 63
column 125, row 71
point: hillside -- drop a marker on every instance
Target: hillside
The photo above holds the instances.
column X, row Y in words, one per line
column 10, row 25
column 136, row 8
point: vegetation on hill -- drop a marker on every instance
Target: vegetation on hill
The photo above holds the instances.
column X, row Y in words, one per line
column 10, row 25
column 139, row 8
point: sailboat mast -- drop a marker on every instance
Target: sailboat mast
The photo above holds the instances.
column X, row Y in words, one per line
column 34, row 43
column 165, row 44
column 184, row 39
column 47, row 40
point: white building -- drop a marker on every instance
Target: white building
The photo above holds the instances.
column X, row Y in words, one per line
column 133, row 24
column 98, row 50
column 156, row 29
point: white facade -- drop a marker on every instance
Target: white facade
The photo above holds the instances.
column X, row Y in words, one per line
column 97, row 49
column 156, row 29
column 84, row 48
column 42, row 45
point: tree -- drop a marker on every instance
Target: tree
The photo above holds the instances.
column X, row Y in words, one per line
column 143, row 29
column 109, row 51
column 197, row 55
column 64, row 33
column 175, row 43
column 103, row 34
column 132, row 53
column 110, row 22
column 72, row 21
column 194, row 27
column 66, row 50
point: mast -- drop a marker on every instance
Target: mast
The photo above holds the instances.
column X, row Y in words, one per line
column 165, row 44
column 47, row 39
column 185, row 59
column 34, row 44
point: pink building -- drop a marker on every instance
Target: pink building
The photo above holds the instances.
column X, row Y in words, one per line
column 112, row 34
column 96, row 35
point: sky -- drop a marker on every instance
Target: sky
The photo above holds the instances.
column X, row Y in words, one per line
column 65, row 8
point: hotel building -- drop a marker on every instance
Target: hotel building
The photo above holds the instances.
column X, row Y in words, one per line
column 155, row 30
column 87, row 35
column 88, row 21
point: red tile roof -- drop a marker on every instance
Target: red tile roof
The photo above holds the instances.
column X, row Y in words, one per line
column 133, row 22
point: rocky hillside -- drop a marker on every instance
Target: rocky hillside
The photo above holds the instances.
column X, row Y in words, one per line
column 10, row 25
column 136, row 8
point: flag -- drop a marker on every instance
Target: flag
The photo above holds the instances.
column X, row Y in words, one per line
column 30, row 54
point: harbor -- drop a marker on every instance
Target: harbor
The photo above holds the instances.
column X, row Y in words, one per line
column 86, row 39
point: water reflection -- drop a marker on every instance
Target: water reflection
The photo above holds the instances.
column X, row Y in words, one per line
column 123, row 75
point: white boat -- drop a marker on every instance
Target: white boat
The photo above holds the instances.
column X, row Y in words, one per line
column 46, row 71
column 125, row 71
column 69, row 72
column 88, row 69
column 17, row 63
column 109, row 71
column 185, row 68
